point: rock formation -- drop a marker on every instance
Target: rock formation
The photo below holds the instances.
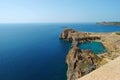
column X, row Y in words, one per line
column 77, row 37
column 80, row 63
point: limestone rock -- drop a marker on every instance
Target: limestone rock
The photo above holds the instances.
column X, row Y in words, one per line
column 80, row 63
column 77, row 37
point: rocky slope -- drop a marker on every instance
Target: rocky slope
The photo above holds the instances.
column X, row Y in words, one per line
column 109, row 71
column 82, row 62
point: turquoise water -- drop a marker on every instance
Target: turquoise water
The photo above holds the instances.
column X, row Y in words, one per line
column 96, row 47
column 34, row 51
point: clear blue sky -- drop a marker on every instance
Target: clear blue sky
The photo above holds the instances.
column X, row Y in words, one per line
column 59, row 10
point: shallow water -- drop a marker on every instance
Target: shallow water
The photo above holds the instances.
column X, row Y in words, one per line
column 95, row 47
column 34, row 51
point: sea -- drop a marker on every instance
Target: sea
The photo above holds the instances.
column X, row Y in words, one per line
column 33, row 51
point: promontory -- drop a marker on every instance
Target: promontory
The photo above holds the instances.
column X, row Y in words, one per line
column 81, row 62
column 109, row 23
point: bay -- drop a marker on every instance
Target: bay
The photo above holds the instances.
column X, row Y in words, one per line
column 33, row 51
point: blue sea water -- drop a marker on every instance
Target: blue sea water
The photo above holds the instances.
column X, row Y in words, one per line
column 33, row 51
column 94, row 46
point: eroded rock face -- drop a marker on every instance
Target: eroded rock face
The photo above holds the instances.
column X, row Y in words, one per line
column 66, row 34
column 80, row 63
column 79, row 37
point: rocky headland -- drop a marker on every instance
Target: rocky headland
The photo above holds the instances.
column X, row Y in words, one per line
column 109, row 23
column 81, row 62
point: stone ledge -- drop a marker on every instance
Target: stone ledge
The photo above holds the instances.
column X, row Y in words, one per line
column 109, row 71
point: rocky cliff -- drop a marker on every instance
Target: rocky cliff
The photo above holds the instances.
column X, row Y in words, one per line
column 77, row 37
column 79, row 62
column 82, row 62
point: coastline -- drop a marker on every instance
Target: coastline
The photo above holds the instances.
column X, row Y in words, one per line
column 110, row 40
column 109, row 23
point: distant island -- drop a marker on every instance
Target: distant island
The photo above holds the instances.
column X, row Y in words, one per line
column 109, row 23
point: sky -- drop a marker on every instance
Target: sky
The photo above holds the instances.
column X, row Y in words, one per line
column 52, row 11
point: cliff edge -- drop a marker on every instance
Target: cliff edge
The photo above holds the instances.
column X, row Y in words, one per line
column 81, row 62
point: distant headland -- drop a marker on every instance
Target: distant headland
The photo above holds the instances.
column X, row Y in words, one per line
column 109, row 23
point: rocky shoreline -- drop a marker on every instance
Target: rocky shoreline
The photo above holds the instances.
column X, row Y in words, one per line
column 81, row 62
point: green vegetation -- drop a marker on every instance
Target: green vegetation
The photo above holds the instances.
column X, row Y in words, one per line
column 118, row 33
